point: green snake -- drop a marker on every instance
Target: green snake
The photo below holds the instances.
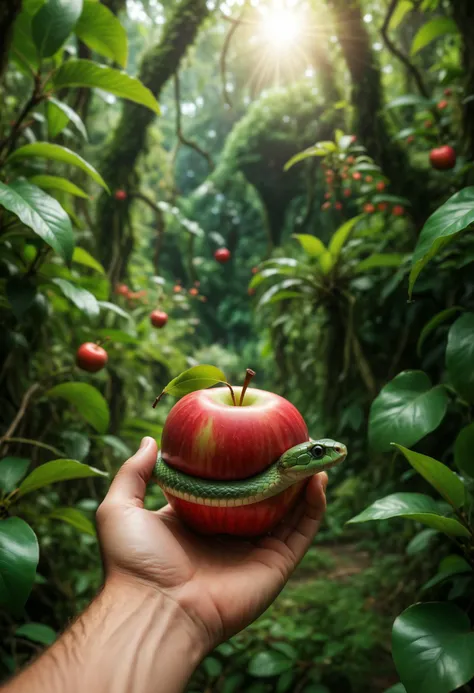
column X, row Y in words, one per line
column 296, row 464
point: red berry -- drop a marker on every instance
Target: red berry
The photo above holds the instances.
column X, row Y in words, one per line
column 448, row 91
column 338, row 206
column 91, row 357
column 122, row 290
column 327, row 196
column 158, row 318
column 357, row 175
column 254, row 270
column 326, row 206
column 410, row 139
column 368, row 179
column 382, row 206
column 344, row 176
column 222, row 255
column 350, row 160
column 442, row 104
column 398, row 211
column 120, row 195
column 443, row 158
column 428, row 124
column 380, row 186
column 369, row 208
column 193, row 291
column 353, row 139
column 177, row 288
column 347, row 192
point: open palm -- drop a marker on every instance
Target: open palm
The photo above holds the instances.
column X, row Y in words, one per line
column 222, row 583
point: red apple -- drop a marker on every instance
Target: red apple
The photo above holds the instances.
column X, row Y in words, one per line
column 91, row 357
column 158, row 318
column 222, row 255
column 443, row 158
column 207, row 436
column 120, row 195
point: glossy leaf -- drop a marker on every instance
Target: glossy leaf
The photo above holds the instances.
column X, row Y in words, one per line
column 445, row 481
column 456, row 215
column 56, row 183
column 401, row 10
column 85, row 73
column 114, row 309
column 41, row 213
column 460, row 356
column 55, row 152
column 20, row 292
column 53, row 23
column 269, row 272
column 36, row 632
column 432, row 324
column 19, row 555
column 464, row 451
column 82, row 299
column 405, row 410
column 411, row 506
column 59, row 114
column 380, row 260
column 75, row 518
column 319, row 149
column 312, row 245
column 88, row 401
column 267, row 297
column 409, row 100
column 421, row 541
column 83, row 257
column 100, row 29
column 340, row 236
column 435, row 28
column 268, row 663
column 448, row 568
column 75, row 444
column 433, row 648
column 12, row 470
column 54, row 471
column 195, row 378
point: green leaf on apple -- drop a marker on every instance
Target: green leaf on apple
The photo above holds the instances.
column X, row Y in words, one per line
column 195, row 378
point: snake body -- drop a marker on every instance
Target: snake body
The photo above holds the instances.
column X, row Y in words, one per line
column 297, row 463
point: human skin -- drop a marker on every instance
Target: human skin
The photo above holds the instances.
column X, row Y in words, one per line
column 169, row 595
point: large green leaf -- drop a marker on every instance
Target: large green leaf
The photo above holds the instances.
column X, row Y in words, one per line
column 269, row 295
column 380, row 260
column 441, row 227
column 312, row 245
column 54, row 471
column 409, row 100
column 435, row 28
column 100, row 29
column 57, row 183
column 464, row 451
column 59, row 114
column 432, row 324
column 264, row 274
column 81, row 298
column 12, row 470
column 268, row 663
column 53, row 23
column 83, row 257
column 195, row 378
column 433, row 648
column 74, row 517
column 41, row 213
column 405, row 410
column 401, row 10
column 445, row 481
column 85, row 73
column 340, row 236
column 36, row 632
column 55, row 152
column 88, row 401
column 411, row 506
column 19, row 555
column 460, row 356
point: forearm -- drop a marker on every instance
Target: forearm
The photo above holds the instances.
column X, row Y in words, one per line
column 129, row 640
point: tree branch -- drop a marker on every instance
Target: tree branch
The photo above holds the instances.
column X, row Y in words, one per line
column 20, row 413
column 179, row 132
column 235, row 23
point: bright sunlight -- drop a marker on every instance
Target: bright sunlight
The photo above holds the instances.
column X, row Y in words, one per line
column 281, row 27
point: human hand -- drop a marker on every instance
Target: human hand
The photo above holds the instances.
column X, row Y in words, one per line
column 220, row 584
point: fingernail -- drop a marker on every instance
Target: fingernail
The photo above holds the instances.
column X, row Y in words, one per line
column 144, row 442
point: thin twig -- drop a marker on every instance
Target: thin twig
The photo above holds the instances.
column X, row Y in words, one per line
column 399, row 54
column 223, row 57
column 20, row 413
column 36, row 443
column 179, row 132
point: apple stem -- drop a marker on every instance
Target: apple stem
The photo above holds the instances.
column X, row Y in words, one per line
column 248, row 377
column 232, row 394
column 157, row 399
column 99, row 342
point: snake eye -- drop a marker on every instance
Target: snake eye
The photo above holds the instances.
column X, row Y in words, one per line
column 318, row 451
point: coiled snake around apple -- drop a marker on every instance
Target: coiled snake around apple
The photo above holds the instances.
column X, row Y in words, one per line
column 296, row 464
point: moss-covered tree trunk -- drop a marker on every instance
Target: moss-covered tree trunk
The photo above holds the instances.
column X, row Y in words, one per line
column 370, row 123
column 114, row 239
column 463, row 13
column 9, row 9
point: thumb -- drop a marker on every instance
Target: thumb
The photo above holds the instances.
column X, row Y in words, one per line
column 129, row 484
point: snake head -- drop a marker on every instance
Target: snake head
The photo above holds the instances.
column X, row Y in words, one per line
column 313, row 456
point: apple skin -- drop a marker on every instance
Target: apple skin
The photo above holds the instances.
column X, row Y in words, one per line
column 443, row 158
column 222, row 255
column 158, row 318
column 206, row 436
column 91, row 357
